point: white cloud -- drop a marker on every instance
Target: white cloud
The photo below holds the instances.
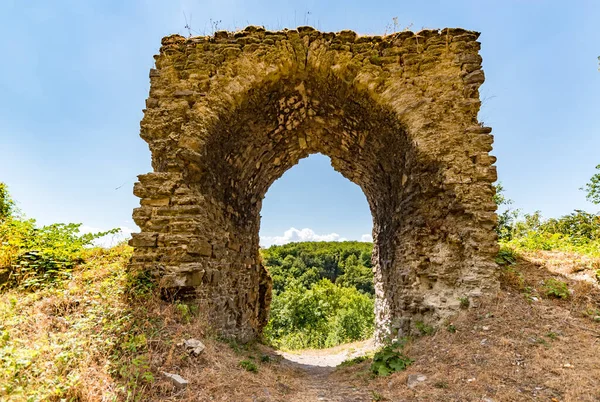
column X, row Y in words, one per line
column 366, row 237
column 111, row 239
column 295, row 235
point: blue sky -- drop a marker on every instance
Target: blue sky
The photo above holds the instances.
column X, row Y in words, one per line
column 74, row 77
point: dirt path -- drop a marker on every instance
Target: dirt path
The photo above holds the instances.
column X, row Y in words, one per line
column 318, row 365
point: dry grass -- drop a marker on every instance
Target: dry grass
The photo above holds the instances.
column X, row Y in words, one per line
column 94, row 339
column 89, row 340
column 215, row 375
column 570, row 264
column 508, row 348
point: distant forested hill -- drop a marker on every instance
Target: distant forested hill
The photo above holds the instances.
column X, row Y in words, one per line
column 345, row 263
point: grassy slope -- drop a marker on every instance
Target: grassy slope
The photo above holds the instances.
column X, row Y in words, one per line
column 103, row 336
column 518, row 345
column 100, row 336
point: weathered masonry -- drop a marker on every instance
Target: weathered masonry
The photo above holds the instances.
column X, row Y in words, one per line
column 228, row 114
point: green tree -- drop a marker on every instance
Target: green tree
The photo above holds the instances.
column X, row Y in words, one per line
column 356, row 276
column 593, row 188
column 323, row 293
column 6, row 203
column 506, row 218
column 324, row 315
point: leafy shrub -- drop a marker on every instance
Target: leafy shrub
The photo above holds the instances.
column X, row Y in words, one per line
column 556, row 288
column 423, row 328
column 389, row 359
column 506, row 256
column 7, row 205
column 577, row 232
column 507, row 217
column 36, row 256
column 140, row 283
column 249, row 366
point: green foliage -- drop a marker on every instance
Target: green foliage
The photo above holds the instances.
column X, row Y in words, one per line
column 424, row 329
column 42, row 255
column 579, row 226
column 389, row 359
column 249, row 366
column 345, row 263
column 6, row 203
column 85, row 321
column 556, row 288
column 464, row 302
column 37, row 256
column 140, row 284
column 593, row 188
column 356, row 275
column 323, row 316
column 323, row 294
column 184, row 312
column 506, row 256
column 507, row 217
column 137, row 370
column 576, row 232
column 57, row 264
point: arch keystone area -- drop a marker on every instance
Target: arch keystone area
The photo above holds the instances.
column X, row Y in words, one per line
column 228, row 114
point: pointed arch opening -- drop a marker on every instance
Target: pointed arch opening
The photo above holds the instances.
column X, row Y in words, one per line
column 229, row 115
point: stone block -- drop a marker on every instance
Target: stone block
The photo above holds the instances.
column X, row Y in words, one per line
column 143, row 240
column 200, row 247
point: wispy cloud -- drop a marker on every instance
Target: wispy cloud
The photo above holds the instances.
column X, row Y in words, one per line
column 366, row 237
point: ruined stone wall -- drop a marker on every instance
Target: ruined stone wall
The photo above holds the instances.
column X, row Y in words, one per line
column 227, row 115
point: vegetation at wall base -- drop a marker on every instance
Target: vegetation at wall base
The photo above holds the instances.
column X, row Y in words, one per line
column 390, row 359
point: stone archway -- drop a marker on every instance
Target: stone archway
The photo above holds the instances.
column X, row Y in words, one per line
column 227, row 115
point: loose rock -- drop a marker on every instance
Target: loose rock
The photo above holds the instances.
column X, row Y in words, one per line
column 194, row 346
column 176, row 379
column 415, row 379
